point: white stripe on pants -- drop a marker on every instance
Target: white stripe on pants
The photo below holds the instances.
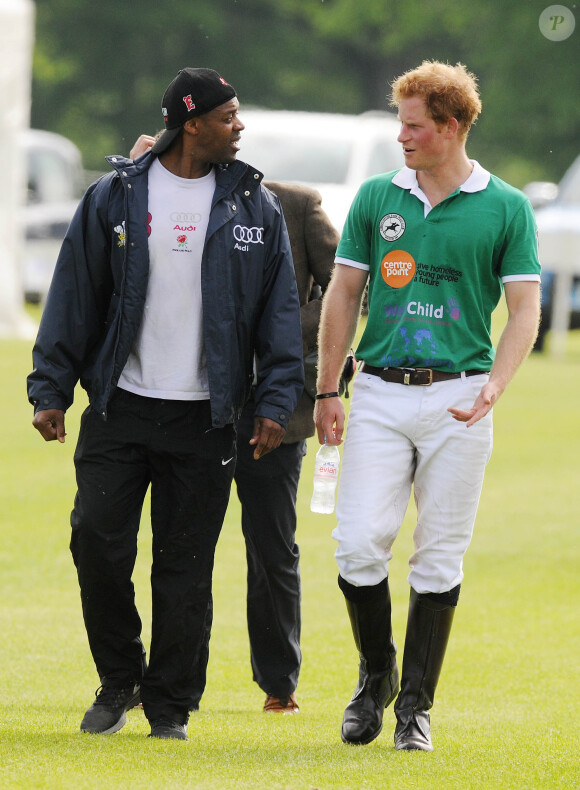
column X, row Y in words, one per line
column 398, row 436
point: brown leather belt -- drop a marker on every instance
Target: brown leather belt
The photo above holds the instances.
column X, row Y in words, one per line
column 422, row 377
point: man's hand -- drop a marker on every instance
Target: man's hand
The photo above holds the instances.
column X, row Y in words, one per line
column 143, row 144
column 267, row 436
column 482, row 406
column 517, row 338
column 329, row 418
column 50, row 424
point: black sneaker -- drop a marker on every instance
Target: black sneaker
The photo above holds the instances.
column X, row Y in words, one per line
column 108, row 712
column 166, row 728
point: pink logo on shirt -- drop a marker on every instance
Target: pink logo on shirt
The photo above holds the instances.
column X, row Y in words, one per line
column 453, row 308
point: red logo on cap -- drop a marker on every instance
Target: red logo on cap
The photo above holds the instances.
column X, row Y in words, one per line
column 223, row 82
column 189, row 103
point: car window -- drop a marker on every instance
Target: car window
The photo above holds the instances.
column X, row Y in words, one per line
column 51, row 179
column 383, row 158
column 284, row 158
column 569, row 191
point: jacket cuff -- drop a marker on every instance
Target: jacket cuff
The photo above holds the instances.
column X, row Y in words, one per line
column 43, row 404
column 274, row 413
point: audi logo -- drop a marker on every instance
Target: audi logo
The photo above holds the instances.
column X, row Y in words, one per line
column 248, row 235
column 185, row 216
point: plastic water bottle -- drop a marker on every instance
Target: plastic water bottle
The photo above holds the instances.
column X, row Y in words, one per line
column 325, row 479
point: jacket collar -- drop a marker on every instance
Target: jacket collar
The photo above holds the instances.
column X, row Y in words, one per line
column 237, row 175
column 228, row 177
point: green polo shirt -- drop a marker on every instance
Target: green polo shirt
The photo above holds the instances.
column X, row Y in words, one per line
column 436, row 274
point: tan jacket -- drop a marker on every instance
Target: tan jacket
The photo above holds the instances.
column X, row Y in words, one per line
column 313, row 240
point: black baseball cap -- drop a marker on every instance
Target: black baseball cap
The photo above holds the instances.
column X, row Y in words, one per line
column 192, row 93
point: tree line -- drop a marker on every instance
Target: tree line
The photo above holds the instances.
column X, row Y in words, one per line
column 100, row 69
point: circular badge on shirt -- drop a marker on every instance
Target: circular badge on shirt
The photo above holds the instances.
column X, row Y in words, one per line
column 398, row 268
column 392, row 227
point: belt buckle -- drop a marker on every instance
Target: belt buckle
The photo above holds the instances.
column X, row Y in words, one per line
column 426, row 370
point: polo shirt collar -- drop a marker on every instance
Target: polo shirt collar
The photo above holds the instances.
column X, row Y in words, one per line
column 476, row 182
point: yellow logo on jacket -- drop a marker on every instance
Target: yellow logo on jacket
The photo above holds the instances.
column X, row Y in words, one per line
column 120, row 231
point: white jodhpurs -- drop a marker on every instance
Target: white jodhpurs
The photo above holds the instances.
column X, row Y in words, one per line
column 403, row 436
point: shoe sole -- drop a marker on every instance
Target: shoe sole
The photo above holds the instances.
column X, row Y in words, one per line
column 115, row 728
column 169, row 737
column 413, row 748
column 361, row 742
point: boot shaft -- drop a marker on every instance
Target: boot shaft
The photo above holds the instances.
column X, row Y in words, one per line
column 369, row 611
column 428, row 628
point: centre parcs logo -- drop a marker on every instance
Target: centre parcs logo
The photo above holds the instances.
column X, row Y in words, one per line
column 398, row 268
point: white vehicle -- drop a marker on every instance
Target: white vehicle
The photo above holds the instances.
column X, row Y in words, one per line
column 331, row 152
column 54, row 186
column 564, row 211
column 559, row 247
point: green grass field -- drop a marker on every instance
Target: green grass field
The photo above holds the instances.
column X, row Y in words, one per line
column 506, row 711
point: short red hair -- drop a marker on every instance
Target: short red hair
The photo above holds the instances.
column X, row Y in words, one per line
column 448, row 92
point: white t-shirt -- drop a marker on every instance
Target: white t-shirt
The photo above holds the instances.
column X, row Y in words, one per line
column 168, row 357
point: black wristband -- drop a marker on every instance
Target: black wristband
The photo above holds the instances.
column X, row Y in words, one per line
column 322, row 395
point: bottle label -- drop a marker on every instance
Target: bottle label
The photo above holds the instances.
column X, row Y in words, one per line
column 327, row 469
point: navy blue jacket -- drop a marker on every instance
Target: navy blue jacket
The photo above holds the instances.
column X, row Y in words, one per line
column 96, row 299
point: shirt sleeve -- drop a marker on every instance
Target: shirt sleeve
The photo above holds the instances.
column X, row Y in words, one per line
column 354, row 246
column 520, row 249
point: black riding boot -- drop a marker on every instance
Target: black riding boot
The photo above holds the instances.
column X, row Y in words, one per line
column 428, row 628
column 369, row 609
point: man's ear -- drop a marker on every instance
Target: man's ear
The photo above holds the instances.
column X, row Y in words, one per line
column 191, row 126
column 452, row 127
